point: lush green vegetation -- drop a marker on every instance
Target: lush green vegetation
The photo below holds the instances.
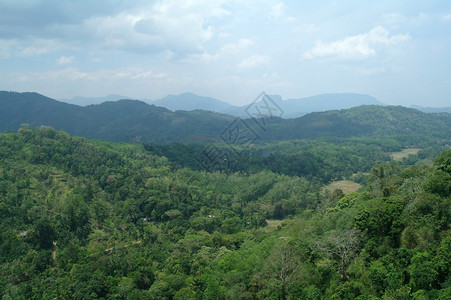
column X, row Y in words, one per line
column 321, row 159
column 90, row 219
column 131, row 121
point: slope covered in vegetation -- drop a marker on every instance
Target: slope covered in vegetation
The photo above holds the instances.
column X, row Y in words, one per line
column 132, row 120
column 89, row 219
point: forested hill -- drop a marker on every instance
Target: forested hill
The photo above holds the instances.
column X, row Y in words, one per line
column 37, row 110
column 132, row 120
column 123, row 120
column 94, row 220
column 369, row 121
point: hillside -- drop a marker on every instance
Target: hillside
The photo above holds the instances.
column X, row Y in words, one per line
column 133, row 120
column 37, row 110
column 123, row 120
column 369, row 121
column 90, row 220
column 189, row 101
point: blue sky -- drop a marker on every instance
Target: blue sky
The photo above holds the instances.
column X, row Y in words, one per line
column 398, row 51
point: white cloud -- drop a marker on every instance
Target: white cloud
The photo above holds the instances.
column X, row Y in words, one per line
column 178, row 26
column 131, row 73
column 144, row 48
column 277, row 9
column 65, row 60
column 254, row 61
column 167, row 25
column 11, row 48
column 32, row 51
column 70, row 81
column 68, row 74
column 96, row 77
column 236, row 47
column 224, row 51
column 357, row 46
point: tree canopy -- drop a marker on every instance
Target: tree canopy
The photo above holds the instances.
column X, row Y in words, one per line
column 87, row 219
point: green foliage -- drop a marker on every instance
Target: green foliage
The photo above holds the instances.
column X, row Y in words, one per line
column 422, row 273
column 132, row 120
column 443, row 162
column 90, row 219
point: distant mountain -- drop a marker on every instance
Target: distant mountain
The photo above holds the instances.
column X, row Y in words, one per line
column 298, row 107
column 240, row 111
column 83, row 101
column 292, row 108
column 432, row 109
column 133, row 120
column 189, row 101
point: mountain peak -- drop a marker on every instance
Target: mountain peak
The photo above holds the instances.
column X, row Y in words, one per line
column 190, row 101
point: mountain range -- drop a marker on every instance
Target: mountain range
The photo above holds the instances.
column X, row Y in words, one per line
column 292, row 108
column 133, row 120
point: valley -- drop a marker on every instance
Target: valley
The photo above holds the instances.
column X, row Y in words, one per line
column 225, row 150
column 115, row 217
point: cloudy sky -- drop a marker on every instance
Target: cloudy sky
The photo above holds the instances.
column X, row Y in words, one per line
column 398, row 51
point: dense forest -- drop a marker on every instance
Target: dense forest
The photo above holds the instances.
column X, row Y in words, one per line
column 89, row 219
column 132, row 120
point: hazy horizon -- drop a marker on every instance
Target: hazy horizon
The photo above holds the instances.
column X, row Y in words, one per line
column 397, row 52
column 120, row 97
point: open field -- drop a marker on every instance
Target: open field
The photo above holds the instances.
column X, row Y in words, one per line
column 404, row 153
column 272, row 225
column 346, row 186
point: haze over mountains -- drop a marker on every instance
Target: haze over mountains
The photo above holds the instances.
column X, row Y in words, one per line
column 291, row 108
column 83, row 101
column 432, row 109
column 133, row 120
column 189, row 101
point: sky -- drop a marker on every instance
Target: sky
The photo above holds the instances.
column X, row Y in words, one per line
column 397, row 51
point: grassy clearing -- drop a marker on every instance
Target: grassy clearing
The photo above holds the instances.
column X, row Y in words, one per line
column 272, row 225
column 404, row 153
column 345, row 185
